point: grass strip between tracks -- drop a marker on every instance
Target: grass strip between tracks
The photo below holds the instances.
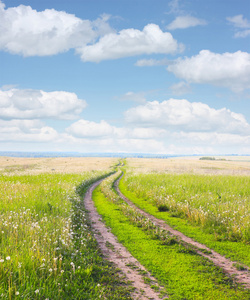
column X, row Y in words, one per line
column 236, row 251
column 185, row 275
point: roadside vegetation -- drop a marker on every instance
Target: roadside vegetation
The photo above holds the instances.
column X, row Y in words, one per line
column 183, row 273
column 214, row 210
column 47, row 249
column 218, row 204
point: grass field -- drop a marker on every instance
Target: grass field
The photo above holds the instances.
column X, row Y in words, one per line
column 73, row 165
column 184, row 274
column 218, row 204
column 232, row 165
column 47, row 248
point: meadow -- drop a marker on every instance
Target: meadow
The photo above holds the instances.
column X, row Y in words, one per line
column 47, row 249
column 211, row 207
column 218, row 204
column 181, row 272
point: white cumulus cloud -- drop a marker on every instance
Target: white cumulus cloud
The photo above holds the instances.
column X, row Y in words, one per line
column 182, row 115
column 230, row 70
column 130, row 42
column 38, row 104
column 26, row 131
column 89, row 129
column 183, row 22
column 29, row 32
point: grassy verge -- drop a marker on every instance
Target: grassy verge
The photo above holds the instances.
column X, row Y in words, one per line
column 47, row 250
column 184, row 274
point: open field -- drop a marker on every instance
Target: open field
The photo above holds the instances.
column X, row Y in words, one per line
column 218, row 204
column 48, row 249
column 178, row 268
column 239, row 165
column 32, row 166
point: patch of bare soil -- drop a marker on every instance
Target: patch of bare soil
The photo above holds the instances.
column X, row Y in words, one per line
column 118, row 254
column 225, row 264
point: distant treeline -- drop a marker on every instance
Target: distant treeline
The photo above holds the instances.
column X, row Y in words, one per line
column 210, row 158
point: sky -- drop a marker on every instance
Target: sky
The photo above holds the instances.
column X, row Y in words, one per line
column 130, row 76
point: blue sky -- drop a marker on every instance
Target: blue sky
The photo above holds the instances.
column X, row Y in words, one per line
column 148, row 76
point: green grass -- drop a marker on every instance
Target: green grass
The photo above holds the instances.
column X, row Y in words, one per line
column 185, row 275
column 218, row 204
column 47, row 249
column 238, row 251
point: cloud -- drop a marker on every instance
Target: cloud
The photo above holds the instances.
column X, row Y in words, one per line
column 173, row 126
column 152, row 62
column 213, row 138
column 125, row 145
column 182, row 115
column 230, row 70
column 37, row 104
column 26, row 131
column 102, row 136
column 239, row 21
column 175, row 8
column 180, row 88
column 136, row 97
column 183, row 22
column 53, row 32
column 87, row 129
column 28, row 32
column 242, row 34
column 130, row 42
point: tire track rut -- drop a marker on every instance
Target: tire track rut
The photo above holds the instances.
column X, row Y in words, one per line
column 118, row 254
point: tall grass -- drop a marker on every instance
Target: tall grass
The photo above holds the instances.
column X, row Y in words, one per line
column 47, row 250
column 219, row 204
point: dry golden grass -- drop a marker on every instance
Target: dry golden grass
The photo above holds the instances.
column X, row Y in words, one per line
column 33, row 166
column 231, row 166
